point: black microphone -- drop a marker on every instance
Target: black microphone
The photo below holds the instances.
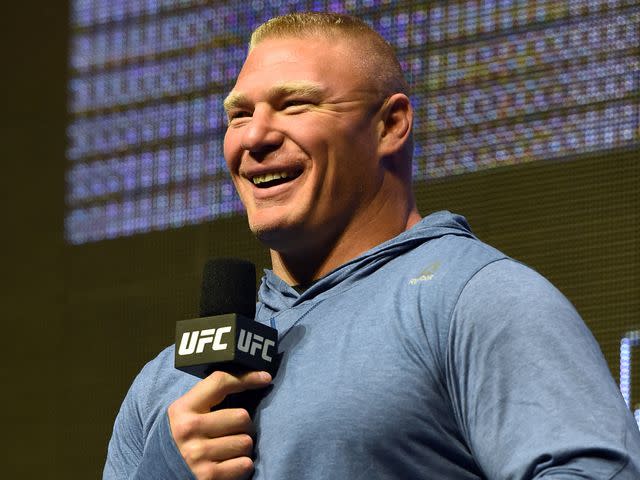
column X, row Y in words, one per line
column 226, row 336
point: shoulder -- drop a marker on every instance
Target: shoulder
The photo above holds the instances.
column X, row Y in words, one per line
column 513, row 306
column 506, row 290
column 426, row 283
column 525, row 374
column 511, row 323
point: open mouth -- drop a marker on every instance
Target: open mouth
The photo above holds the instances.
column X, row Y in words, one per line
column 273, row 179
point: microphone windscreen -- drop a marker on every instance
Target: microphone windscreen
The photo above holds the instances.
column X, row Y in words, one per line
column 228, row 286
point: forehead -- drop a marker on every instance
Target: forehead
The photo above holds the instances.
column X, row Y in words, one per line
column 328, row 63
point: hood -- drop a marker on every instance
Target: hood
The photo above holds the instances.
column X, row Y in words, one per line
column 276, row 295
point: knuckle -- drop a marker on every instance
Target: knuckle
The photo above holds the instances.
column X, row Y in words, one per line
column 241, row 417
column 220, row 382
column 245, row 465
column 185, row 426
column 174, row 409
column 193, row 452
column 245, row 443
column 242, row 469
column 206, row 471
column 218, row 378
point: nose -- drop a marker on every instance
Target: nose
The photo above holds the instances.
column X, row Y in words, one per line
column 260, row 134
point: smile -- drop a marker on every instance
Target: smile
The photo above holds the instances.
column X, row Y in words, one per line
column 272, row 179
column 269, row 177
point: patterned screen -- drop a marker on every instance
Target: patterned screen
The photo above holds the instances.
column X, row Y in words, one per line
column 495, row 82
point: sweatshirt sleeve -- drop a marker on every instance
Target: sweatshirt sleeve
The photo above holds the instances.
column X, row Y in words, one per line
column 141, row 445
column 531, row 390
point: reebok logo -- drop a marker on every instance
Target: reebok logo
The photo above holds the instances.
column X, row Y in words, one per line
column 426, row 274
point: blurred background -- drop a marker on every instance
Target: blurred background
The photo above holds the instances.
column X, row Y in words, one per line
column 114, row 191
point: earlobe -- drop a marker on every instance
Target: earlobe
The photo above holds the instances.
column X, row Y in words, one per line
column 396, row 123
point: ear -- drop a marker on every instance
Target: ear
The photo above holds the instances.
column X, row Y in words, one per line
column 395, row 124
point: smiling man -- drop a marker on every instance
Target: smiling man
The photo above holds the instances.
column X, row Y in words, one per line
column 411, row 350
column 331, row 119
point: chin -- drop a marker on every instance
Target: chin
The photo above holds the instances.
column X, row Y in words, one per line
column 275, row 236
column 266, row 232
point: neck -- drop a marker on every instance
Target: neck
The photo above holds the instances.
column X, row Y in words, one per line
column 306, row 264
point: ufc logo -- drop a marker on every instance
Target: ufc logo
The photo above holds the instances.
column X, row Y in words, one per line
column 195, row 342
column 250, row 342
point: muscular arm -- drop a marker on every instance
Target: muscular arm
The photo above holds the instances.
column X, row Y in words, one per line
column 530, row 387
column 141, row 446
column 165, row 429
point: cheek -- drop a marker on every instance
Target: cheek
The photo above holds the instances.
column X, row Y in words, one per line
column 230, row 149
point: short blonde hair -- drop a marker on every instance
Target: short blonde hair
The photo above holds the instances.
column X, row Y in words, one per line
column 380, row 60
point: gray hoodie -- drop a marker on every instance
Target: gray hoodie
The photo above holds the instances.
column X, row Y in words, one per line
column 431, row 356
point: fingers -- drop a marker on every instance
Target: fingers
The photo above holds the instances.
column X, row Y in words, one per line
column 213, row 389
column 219, row 450
column 218, row 444
column 239, row 468
column 215, row 445
column 235, row 469
column 188, row 425
column 230, row 421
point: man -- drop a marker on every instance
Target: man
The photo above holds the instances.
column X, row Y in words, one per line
column 411, row 349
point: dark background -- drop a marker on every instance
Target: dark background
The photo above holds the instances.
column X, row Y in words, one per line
column 80, row 321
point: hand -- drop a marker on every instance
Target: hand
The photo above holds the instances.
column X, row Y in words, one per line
column 216, row 445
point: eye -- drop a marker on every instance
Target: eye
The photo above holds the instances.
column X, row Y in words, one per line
column 237, row 114
column 296, row 102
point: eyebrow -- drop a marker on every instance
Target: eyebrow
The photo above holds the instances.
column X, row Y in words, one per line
column 311, row 89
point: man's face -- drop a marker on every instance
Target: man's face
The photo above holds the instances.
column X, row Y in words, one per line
column 301, row 145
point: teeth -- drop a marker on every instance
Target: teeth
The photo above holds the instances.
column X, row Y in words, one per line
column 268, row 177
